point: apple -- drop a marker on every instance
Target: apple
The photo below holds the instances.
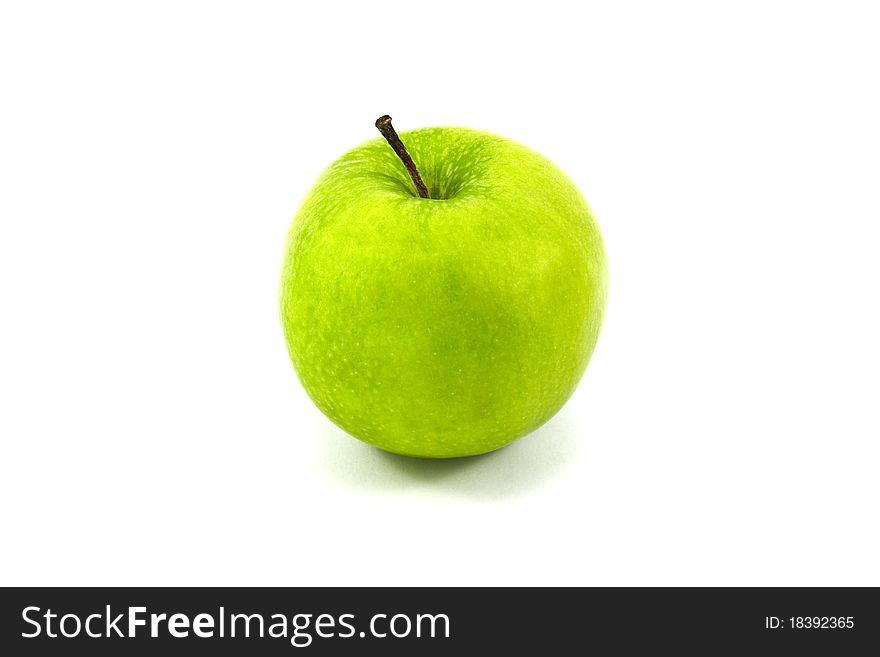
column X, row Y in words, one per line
column 442, row 298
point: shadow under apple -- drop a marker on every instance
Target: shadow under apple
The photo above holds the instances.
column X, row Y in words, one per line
column 525, row 464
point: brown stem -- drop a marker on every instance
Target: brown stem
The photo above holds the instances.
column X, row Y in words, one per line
column 387, row 130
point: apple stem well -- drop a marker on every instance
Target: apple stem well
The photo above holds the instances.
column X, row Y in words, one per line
column 383, row 123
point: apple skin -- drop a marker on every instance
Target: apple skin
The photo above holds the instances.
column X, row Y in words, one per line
column 447, row 326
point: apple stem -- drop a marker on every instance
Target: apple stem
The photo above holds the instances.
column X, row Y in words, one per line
column 387, row 130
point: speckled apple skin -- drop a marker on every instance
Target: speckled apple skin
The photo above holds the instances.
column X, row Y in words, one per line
column 448, row 326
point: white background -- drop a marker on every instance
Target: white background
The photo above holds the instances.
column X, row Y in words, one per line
column 153, row 430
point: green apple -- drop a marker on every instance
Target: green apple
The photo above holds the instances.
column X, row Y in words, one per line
column 449, row 325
